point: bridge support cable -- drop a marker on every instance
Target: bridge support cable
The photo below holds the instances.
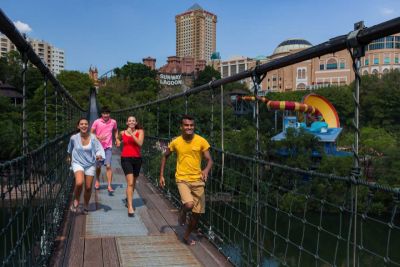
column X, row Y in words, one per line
column 46, row 131
column 257, row 79
column 356, row 50
column 24, row 105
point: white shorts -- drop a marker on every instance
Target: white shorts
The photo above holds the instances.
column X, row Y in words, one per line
column 91, row 171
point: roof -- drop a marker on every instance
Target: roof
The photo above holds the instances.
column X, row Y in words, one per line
column 8, row 90
column 292, row 44
column 10, row 93
column 195, row 7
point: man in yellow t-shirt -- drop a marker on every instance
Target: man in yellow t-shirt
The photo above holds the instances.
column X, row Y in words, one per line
column 190, row 148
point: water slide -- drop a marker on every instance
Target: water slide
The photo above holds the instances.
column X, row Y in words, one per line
column 312, row 104
column 325, row 107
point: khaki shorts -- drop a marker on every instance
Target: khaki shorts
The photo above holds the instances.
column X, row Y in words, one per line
column 193, row 192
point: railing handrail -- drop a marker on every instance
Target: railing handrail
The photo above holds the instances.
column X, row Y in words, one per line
column 8, row 28
column 335, row 44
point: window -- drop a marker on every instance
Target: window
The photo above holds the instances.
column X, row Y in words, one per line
column 386, row 59
column 233, row 69
column 375, row 72
column 301, row 86
column 321, row 66
column 342, row 64
column 385, row 71
column 225, row 71
column 396, row 58
column 376, row 60
column 242, row 67
column 331, row 64
column 366, row 61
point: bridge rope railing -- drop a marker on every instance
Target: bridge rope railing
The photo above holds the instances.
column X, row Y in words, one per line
column 35, row 179
column 260, row 212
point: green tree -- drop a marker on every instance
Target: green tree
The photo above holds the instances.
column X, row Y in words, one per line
column 78, row 84
column 207, row 75
column 134, row 71
column 10, row 130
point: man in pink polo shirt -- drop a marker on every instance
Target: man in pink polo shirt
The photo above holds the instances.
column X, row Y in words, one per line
column 104, row 128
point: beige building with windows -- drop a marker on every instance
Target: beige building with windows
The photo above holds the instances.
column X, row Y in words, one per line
column 53, row 57
column 196, row 33
column 331, row 69
column 381, row 56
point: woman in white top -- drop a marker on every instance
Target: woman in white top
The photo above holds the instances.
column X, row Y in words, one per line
column 84, row 149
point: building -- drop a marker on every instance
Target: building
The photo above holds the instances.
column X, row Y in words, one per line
column 381, row 56
column 330, row 69
column 184, row 65
column 150, row 62
column 9, row 91
column 196, row 33
column 52, row 57
column 235, row 65
column 94, row 76
column 5, row 45
column 57, row 60
column 180, row 71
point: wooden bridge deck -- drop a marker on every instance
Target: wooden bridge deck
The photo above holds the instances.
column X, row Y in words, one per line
column 108, row 237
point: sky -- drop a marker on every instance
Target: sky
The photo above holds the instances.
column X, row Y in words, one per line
column 107, row 34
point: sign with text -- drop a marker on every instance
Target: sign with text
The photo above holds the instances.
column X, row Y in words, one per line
column 171, row 79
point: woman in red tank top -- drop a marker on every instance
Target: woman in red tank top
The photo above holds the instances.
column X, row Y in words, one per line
column 131, row 158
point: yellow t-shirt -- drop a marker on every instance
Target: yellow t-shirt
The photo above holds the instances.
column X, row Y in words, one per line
column 188, row 163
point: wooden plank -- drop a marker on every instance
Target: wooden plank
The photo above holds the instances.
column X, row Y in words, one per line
column 204, row 251
column 76, row 246
column 61, row 242
column 151, row 226
column 152, row 201
column 110, row 253
column 93, row 255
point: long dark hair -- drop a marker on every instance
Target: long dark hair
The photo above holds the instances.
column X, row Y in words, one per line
column 79, row 121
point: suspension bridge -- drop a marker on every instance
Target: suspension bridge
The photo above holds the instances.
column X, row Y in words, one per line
column 258, row 212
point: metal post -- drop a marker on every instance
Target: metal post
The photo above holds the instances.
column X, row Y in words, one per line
column 158, row 120
column 357, row 51
column 45, row 110
column 169, row 118
column 256, row 82
column 24, row 115
column 186, row 104
column 222, row 137
column 212, row 111
column 56, row 106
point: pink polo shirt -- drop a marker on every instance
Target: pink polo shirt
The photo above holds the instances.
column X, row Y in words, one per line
column 104, row 130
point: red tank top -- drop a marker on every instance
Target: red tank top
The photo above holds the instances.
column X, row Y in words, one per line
column 129, row 147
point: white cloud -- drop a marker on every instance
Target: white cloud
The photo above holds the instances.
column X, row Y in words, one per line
column 387, row 11
column 22, row 27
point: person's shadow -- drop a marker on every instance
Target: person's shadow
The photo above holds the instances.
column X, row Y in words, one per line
column 99, row 206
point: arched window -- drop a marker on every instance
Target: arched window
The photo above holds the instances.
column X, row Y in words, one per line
column 303, row 73
column 331, row 64
column 375, row 72
column 365, row 72
column 299, row 74
column 301, row 86
column 385, row 71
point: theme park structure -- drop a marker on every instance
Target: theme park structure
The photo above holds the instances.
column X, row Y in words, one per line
column 325, row 123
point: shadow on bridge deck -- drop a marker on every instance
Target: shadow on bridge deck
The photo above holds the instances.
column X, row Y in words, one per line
column 108, row 237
